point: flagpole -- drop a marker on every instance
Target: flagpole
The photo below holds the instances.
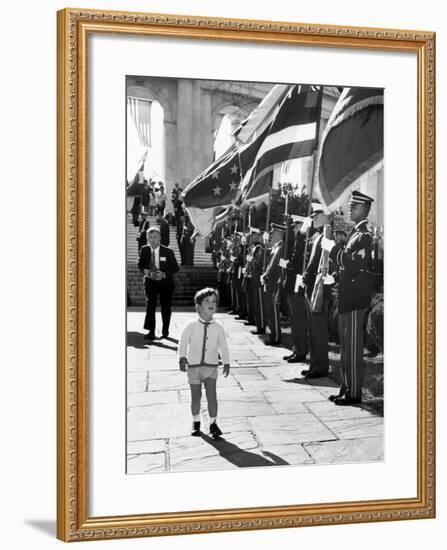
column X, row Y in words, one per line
column 312, row 183
column 267, row 222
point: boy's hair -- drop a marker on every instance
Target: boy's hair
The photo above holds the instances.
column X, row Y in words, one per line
column 204, row 293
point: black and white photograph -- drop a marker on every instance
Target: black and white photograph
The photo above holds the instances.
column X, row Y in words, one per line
column 254, row 247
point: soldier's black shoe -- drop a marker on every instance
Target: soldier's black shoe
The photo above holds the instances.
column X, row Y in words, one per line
column 304, row 372
column 195, row 428
column 286, row 357
column 334, row 396
column 315, row 374
column 249, row 322
column 215, row 431
column 297, row 359
column 262, row 331
column 342, row 401
column 165, row 334
column 149, row 336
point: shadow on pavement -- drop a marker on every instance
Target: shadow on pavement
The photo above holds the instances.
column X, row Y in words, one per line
column 322, row 382
column 136, row 340
column 241, row 458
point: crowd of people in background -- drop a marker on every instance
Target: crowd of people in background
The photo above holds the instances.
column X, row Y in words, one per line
column 151, row 201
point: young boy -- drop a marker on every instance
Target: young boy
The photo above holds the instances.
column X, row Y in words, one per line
column 200, row 344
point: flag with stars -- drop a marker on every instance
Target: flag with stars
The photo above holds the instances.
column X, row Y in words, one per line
column 219, row 186
column 212, row 190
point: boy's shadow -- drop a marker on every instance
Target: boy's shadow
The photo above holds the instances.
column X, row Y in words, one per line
column 239, row 457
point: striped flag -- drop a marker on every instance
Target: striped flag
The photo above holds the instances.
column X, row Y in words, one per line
column 293, row 133
column 218, row 187
column 351, row 144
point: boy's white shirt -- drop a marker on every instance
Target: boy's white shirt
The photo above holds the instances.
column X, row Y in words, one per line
column 192, row 343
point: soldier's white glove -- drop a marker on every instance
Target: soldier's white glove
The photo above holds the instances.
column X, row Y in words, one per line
column 328, row 280
column 307, row 223
column 327, row 244
column 298, row 282
column 266, row 237
column 283, row 263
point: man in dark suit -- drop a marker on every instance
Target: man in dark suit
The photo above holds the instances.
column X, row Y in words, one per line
column 354, row 297
column 164, row 229
column 142, row 230
column 157, row 263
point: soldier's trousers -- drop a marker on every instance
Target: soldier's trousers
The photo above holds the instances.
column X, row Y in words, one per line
column 249, row 299
column 350, row 330
column 298, row 322
column 272, row 310
column 241, row 299
column 258, row 304
column 233, row 296
column 319, row 339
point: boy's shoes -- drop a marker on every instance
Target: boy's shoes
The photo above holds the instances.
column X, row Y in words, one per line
column 195, row 429
column 215, row 431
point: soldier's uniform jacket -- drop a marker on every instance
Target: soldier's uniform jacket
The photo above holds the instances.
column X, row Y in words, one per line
column 257, row 266
column 295, row 265
column 235, row 272
column 272, row 273
column 314, row 262
column 353, row 261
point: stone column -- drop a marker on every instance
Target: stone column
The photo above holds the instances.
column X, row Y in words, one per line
column 206, row 131
column 185, row 168
column 197, row 128
column 170, row 137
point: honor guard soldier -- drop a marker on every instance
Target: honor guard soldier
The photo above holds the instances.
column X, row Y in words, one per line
column 293, row 288
column 238, row 280
column 253, row 236
column 233, row 274
column 318, row 321
column 354, row 297
column 270, row 280
column 257, row 268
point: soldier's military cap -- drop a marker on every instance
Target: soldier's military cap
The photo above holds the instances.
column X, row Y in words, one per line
column 277, row 227
column 317, row 208
column 360, row 198
column 254, row 229
column 297, row 219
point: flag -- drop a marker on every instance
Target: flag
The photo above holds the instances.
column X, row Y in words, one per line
column 218, row 187
column 351, row 144
column 137, row 185
column 214, row 189
column 262, row 115
column 293, row 133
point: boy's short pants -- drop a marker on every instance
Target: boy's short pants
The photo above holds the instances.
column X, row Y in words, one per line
column 197, row 375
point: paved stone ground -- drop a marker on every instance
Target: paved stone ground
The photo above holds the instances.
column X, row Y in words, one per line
column 268, row 413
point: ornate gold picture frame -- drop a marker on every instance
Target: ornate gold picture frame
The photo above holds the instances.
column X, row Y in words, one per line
column 75, row 522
